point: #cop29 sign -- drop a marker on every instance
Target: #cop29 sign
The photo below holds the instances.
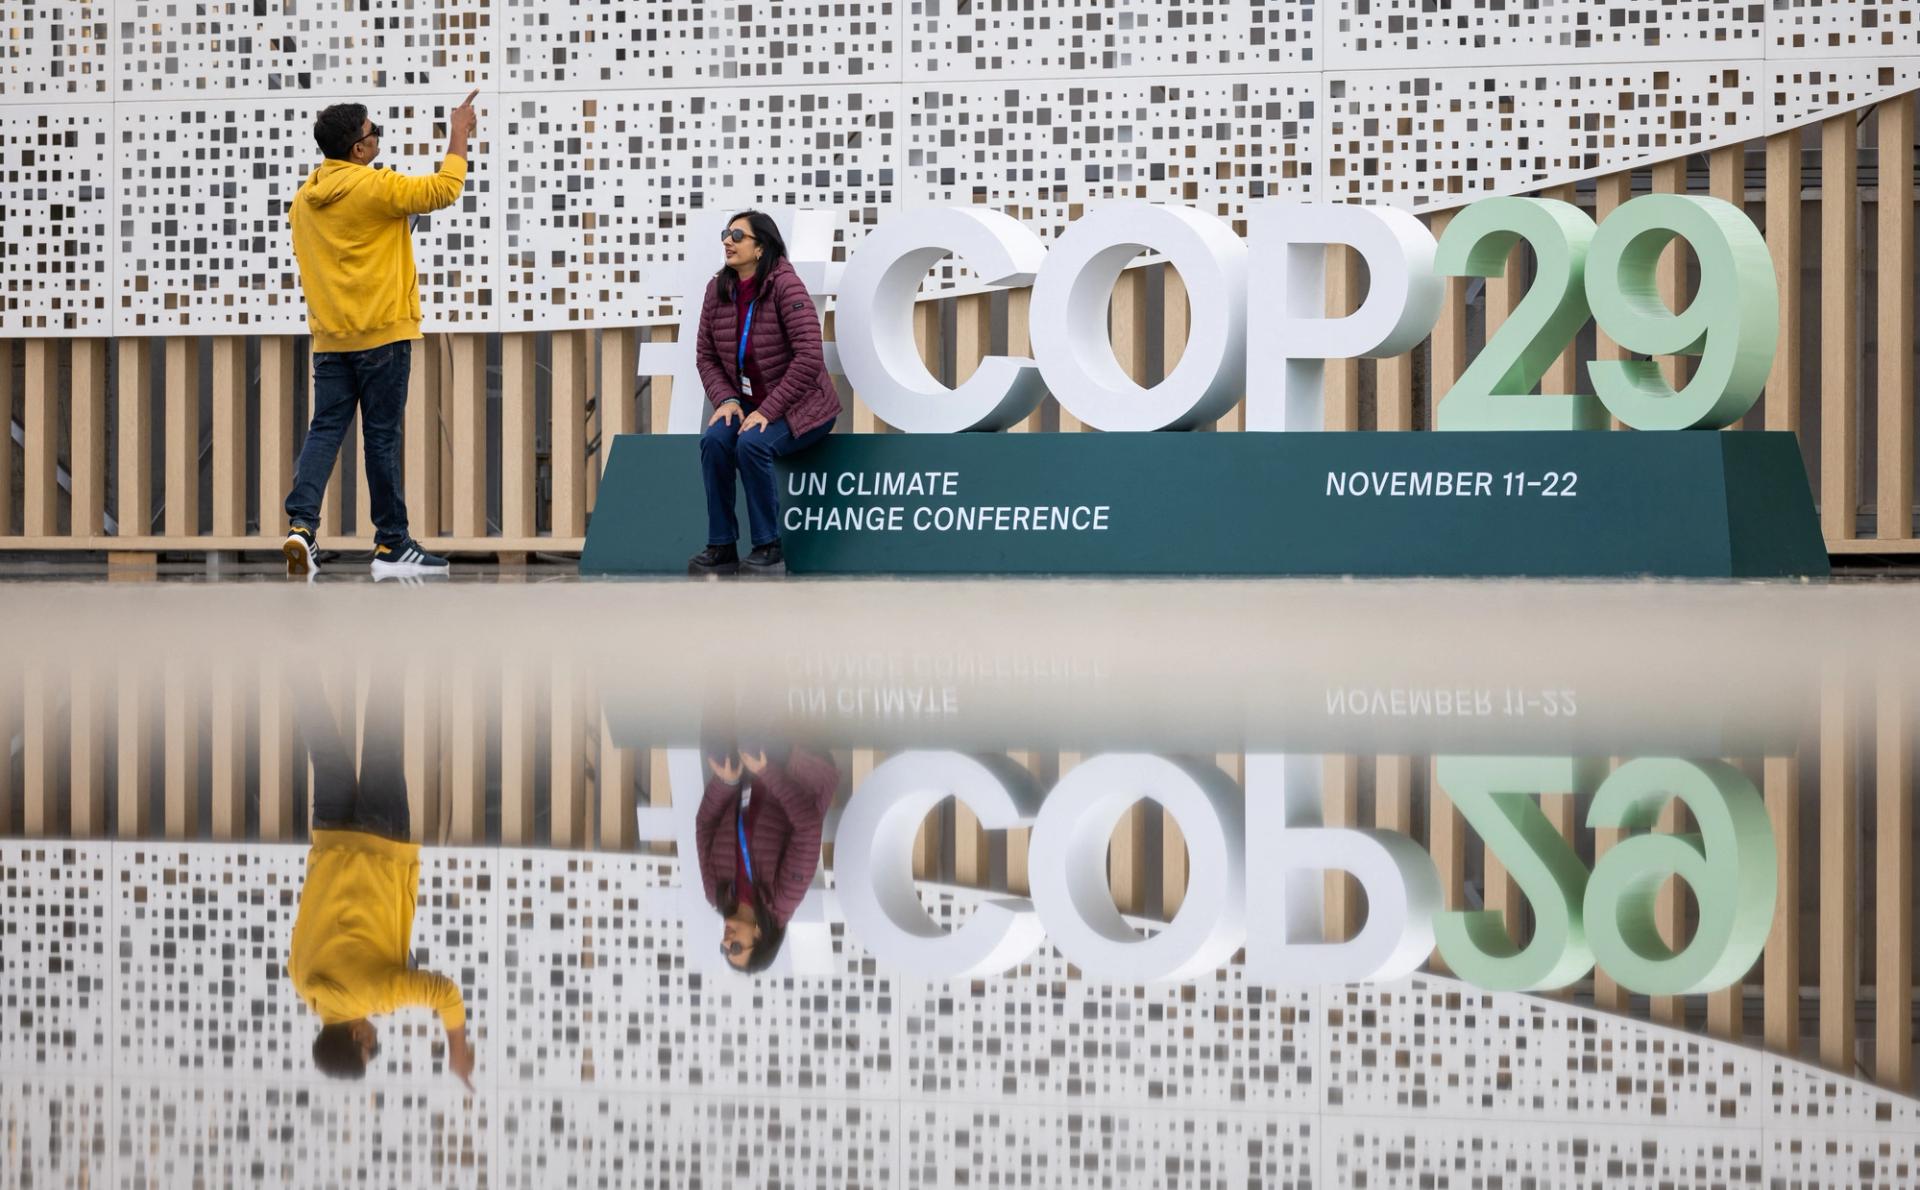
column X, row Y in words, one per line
column 1258, row 327
column 1513, row 494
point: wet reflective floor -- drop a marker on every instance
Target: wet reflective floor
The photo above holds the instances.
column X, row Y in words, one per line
column 1017, row 884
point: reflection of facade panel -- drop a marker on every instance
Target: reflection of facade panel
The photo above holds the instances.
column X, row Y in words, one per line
column 590, row 1014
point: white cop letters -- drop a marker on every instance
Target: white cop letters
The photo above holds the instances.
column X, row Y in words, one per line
column 1275, row 276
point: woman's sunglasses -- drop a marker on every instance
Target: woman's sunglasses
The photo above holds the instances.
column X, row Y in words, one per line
column 735, row 234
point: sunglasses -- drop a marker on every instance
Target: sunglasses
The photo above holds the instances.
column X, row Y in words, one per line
column 736, row 235
column 374, row 135
column 732, row 949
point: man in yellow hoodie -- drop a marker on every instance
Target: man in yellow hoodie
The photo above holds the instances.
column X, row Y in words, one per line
column 352, row 239
column 348, row 958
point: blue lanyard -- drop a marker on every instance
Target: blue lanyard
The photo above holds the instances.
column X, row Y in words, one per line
column 740, row 360
column 740, row 825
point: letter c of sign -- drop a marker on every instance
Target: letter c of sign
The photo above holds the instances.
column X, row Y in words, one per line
column 874, row 319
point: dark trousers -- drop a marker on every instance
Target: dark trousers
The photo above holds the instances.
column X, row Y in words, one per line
column 374, row 382
column 726, row 452
column 374, row 801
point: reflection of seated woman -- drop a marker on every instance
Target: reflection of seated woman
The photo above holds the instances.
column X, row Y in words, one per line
column 759, row 832
column 348, row 959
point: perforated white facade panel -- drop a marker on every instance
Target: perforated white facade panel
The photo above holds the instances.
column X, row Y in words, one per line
column 606, row 125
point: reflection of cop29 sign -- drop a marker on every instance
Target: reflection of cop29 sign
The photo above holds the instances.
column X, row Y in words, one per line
column 1258, row 860
column 1258, row 326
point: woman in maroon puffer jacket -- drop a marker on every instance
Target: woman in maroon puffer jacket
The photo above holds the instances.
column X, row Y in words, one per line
column 759, row 831
column 763, row 370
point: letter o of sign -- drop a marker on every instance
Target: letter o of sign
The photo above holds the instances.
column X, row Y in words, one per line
column 1069, row 317
column 1067, row 864
column 873, row 865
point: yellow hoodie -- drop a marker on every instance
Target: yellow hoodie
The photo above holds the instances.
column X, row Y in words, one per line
column 351, row 237
column 349, row 954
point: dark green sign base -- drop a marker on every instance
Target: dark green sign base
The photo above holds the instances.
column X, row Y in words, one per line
column 1548, row 504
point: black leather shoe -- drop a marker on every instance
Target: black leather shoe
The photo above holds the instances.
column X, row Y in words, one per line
column 767, row 559
column 715, row 559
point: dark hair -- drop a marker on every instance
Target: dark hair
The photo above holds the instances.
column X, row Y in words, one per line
column 338, row 129
column 773, row 249
column 773, row 936
column 336, row 1054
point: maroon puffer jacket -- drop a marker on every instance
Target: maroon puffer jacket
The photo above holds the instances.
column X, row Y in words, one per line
column 785, row 352
column 786, row 831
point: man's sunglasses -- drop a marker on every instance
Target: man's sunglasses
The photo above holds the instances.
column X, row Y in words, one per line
column 371, row 135
column 734, row 234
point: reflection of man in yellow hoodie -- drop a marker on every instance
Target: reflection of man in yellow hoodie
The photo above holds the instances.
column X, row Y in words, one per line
column 348, row 959
column 352, row 238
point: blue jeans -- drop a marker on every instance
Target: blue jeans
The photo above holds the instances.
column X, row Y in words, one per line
column 725, row 452
column 373, row 381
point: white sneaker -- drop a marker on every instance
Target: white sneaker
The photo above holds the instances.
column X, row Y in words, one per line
column 299, row 552
column 407, row 558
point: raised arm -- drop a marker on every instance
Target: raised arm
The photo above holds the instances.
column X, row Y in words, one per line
column 410, row 195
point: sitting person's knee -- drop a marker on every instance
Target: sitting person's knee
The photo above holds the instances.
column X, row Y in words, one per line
column 717, row 437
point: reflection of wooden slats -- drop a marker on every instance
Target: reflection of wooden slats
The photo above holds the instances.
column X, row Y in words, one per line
column 182, row 517
column 87, row 751
column 42, row 749
column 1670, row 915
column 1561, row 811
column 278, row 750
column 180, row 740
column 616, row 768
column 9, row 725
column 1447, row 843
column 1839, row 327
column 1127, row 860
column 1783, row 241
column 519, row 695
column 518, row 473
column 227, row 759
column 133, row 755
column 1839, row 879
column 566, row 749
column 1607, row 994
column 422, row 697
column 1894, row 263
column 568, row 456
column 1780, row 978
column 230, row 382
column 1340, row 807
column 1893, row 883
column 466, row 750
column 277, row 434
column 87, row 458
column 41, row 490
